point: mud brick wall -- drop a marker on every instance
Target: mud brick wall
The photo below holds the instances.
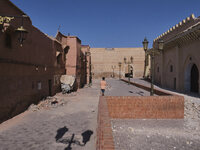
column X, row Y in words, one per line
column 104, row 131
column 147, row 107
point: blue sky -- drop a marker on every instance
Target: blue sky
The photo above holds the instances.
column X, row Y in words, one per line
column 108, row 23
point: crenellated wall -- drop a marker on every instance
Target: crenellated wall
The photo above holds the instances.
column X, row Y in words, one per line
column 173, row 66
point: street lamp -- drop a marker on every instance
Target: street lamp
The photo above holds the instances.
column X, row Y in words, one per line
column 22, row 34
column 131, row 59
column 125, row 60
column 152, row 53
column 120, row 64
column 5, row 23
column 113, row 67
column 129, row 72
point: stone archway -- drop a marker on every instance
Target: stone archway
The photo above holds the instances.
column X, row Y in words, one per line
column 191, row 78
column 194, row 79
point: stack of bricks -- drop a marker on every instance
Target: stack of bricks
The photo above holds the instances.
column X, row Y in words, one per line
column 146, row 107
column 104, row 131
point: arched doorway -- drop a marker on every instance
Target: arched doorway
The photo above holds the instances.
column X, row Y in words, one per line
column 194, row 79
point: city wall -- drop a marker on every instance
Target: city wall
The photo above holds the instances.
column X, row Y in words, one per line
column 105, row 62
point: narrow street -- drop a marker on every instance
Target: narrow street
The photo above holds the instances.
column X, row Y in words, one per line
column 71, row 123
column 71, row 126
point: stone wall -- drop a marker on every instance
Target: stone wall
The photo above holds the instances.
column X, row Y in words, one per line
column 181, row 50
column 105, row 62
column 146, row 107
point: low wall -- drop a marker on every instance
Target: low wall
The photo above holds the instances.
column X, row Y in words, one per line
column 104, row 131
column 167, row 106
column 146, row 107
column 135, row 107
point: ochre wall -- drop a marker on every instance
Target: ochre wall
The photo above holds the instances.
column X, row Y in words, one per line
column 105, row 62
column 28, row 73
column 181, row 51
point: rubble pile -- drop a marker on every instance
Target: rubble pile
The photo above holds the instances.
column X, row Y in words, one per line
column 49, row 102
column 192, row 108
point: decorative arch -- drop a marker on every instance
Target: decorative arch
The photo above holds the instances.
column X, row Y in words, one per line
column 157, row 73
column 191, row 75
column 131, row 70
column 170, row 66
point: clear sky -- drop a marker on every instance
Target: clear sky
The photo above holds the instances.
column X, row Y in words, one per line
column 108, row 23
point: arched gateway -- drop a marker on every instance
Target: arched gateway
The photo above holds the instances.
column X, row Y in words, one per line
column 192, row 78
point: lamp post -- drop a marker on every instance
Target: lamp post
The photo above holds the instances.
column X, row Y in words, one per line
column 152, row 53
column 120, row 64
column 113, row 67
column 129, row 72
column 131, row 59
column 5, row 23
column 125, row 60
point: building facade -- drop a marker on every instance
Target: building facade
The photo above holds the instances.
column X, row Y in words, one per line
column 177, row 67
column 77, row 59
column 86, row 65
column 30, row 67
column 117, row 62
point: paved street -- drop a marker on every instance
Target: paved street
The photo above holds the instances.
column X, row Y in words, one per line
column 120, row 88
column 53, row 129
column 72, row 125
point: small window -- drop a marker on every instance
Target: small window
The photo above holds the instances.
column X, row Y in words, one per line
column 33, row 85
column 39, row 85
column 109, row 49
column 171, row 68
column 157, row 69
column 59, row 59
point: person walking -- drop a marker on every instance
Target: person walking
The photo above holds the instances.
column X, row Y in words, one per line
column 103, row 86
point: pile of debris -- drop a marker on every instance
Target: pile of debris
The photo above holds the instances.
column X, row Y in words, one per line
column 67, row 83
column 192, row 108
column 49, row 102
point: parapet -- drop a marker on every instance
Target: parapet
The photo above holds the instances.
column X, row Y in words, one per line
column 179, row 27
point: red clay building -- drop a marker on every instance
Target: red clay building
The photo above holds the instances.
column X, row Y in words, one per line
column 28, row 73
column 77, row 59
column 30, row 68
column 86, row 69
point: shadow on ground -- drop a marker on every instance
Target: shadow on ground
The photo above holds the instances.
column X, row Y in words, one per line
column 72, row 139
